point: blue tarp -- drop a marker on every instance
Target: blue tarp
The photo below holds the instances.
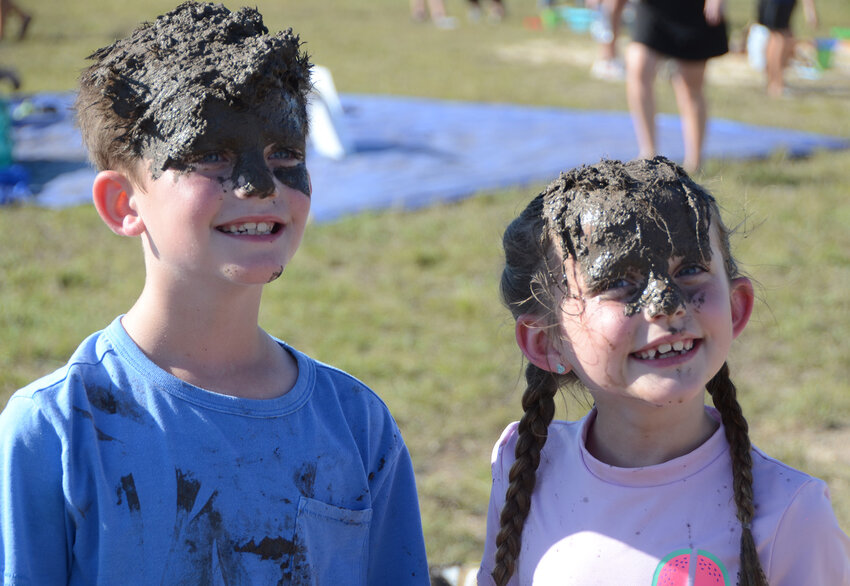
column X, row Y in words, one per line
column 412, row 152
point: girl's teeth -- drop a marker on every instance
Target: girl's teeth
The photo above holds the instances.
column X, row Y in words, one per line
column 680, row 346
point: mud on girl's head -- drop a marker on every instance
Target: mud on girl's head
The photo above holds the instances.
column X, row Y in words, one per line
column 145, row 95
column 615, row 221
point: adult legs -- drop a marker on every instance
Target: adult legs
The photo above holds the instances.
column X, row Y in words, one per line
column 641, row 66
column 688, row 86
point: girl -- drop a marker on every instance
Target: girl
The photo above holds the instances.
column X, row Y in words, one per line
column 620, row 277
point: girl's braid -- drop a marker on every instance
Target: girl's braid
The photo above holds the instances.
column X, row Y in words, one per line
column 724, row 395
column 538, row 403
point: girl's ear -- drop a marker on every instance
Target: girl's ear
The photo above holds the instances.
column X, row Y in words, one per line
column 533, row 338
column 742, row 298
column 113, row 194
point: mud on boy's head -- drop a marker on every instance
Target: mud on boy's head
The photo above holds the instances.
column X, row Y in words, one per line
column 149, row 96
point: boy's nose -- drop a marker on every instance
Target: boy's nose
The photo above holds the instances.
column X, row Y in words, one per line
column 253, row 181
column 663, row 297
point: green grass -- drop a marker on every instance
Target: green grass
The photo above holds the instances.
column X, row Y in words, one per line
column 408, row 301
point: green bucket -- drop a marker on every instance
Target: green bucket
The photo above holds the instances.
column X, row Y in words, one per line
column 825, row 48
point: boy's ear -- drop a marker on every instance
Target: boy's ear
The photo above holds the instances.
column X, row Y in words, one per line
column 533, row 338
column 112, row 193
column 742, row 297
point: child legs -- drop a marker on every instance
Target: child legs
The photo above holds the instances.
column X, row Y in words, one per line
column 641, row 66
column 780, row 45
column 688, row 83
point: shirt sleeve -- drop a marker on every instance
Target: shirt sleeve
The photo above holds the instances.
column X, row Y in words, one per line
column 810, row 547
column 34, row 543
column 396, row 543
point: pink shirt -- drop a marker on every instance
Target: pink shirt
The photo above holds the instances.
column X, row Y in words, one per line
column 674, row 523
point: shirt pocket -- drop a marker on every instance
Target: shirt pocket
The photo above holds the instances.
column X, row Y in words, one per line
column 330, row 544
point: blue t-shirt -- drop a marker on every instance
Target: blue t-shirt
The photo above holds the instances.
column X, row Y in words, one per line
column 113, row 471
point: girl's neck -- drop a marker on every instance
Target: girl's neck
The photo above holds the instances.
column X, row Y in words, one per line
column 625, row 438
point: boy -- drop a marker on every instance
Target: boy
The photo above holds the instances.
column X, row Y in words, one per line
column 183, row 444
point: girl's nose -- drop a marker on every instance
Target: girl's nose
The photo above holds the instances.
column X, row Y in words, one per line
column 663, row 298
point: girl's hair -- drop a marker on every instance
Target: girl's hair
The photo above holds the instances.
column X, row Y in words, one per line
column 534, row 251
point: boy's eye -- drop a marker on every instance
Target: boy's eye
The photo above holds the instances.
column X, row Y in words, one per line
column 210, row 158
column 285, row 156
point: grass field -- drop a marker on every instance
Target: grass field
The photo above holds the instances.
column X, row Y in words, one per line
column 408, row 301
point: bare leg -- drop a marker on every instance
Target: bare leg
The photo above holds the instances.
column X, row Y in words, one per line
column 417, row 10
column 777, row 55
column 614, row 13
column 641, row 66
column 437, row 9
column 688, row 83
column 4, row 14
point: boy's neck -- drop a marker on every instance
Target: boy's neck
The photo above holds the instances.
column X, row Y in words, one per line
column 220, row 349
column 627, row 439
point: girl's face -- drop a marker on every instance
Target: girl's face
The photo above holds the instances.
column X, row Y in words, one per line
column 653, row 328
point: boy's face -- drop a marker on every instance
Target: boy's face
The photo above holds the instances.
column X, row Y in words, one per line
column 235, row 208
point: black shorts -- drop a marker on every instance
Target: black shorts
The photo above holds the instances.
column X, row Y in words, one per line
column 776, row 14
column 677, row 28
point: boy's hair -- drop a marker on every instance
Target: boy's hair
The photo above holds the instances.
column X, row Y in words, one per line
column 535, row 246
column 150, row 89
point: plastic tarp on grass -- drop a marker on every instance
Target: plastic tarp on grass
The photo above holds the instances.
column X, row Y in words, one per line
column 413, row 152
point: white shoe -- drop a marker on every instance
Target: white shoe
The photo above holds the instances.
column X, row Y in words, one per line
column 445, row 23
column 608, row 70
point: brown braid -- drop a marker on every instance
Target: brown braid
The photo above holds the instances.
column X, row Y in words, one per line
column 538, row 403
column 724, row 395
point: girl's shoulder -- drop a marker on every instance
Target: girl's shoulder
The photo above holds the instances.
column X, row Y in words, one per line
column 561, row 434
column 778, row 486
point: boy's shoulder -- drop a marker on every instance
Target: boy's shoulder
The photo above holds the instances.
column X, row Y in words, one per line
column 328, row 383
column 81, row 367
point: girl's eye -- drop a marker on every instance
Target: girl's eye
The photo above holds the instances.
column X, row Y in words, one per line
column 618, row 289
column 690, row 271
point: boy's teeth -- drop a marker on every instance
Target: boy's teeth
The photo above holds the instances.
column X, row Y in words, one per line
column 251, row 228
column 665, row 348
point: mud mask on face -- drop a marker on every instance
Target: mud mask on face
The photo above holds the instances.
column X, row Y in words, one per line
column 247, row 133
column 632, row 236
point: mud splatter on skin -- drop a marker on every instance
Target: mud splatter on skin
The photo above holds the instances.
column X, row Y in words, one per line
column 161, row 79
column 625, row 221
